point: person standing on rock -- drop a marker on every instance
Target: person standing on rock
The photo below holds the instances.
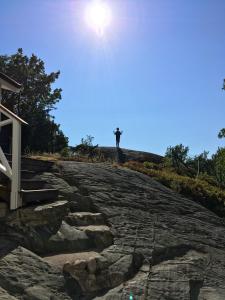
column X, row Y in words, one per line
column 118, row 133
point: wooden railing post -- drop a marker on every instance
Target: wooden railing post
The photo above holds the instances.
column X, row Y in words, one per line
column 15, row 198
column 13, row 173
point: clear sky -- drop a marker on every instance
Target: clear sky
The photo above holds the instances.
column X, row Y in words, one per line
column 157, row 73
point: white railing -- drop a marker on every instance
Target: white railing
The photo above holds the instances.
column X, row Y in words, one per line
column 13, row 173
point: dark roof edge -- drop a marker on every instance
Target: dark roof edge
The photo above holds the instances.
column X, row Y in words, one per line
column 10, row 80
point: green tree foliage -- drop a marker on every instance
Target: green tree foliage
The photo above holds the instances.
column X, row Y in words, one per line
column 221, row 134
column 201, row 164
column 219, row 166
column 35, row 102
column 86, row 147
column 177, row 155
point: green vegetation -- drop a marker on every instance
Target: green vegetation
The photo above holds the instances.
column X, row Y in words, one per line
column 84, row 152
column 219, row 167
column 200, row 178
column 35, row 102
column 86, row 147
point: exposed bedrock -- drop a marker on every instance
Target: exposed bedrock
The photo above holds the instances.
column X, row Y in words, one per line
column 114, row 233
column 168, row 230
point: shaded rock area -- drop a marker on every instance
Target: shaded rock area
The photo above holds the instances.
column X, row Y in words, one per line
column 4, row 295
column 112, row 233
column 27, row 276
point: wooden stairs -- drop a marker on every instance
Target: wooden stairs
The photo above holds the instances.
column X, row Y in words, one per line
column 32, row 190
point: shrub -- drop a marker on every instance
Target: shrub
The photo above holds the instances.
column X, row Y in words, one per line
column 177, row 155
column 65, row 152
column 219, row 166
column 86, row 147
column 151, row 165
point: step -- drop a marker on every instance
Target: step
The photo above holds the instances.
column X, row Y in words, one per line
column 100, row 234
column 68, row 239
column 39, row 214
column 34, row 196
column 96, row 272
column 31, row 184
column 33, row 164
column 62, row 259
column 36, row 165
column 84, row 219
column 27, row 174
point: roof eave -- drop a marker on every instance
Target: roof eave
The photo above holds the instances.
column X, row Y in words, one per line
column 9, row 84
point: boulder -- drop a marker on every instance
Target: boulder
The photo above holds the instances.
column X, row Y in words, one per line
column 94, row 272
column 101, row 235
column 69, row 238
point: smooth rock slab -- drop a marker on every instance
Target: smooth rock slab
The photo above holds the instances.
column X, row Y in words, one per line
column 182, row 278
column 211, row 294
column 5, row 296
column 26, row 275
column 141, row 210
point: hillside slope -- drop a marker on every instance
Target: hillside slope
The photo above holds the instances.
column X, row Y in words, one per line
column 186, row 242
column 164, row 246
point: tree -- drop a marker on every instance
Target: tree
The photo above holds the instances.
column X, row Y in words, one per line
column 35, row 102
column 219, row 166
column 177, row 155
column 86, row 147
column 221, row 134
column 201, row 163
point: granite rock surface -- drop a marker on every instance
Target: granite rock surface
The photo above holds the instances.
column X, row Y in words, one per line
column 114, row 233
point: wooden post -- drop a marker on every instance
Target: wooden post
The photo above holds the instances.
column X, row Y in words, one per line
column 13, row 172
column 15, row 199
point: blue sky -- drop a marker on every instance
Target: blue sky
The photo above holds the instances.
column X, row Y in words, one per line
column 157, row 73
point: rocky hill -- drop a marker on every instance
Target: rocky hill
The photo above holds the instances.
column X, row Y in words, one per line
column 124, row 155
column 112, row 233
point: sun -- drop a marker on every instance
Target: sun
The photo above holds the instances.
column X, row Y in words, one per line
column 98, row 16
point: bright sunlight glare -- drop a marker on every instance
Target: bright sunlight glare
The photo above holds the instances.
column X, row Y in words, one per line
column 98, row 16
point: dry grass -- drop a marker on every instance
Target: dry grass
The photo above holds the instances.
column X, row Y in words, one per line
column 58, row 157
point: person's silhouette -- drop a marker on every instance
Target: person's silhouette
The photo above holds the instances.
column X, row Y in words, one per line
column 117, row 134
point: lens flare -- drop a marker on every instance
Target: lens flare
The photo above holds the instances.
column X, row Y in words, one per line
column 98, row 16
